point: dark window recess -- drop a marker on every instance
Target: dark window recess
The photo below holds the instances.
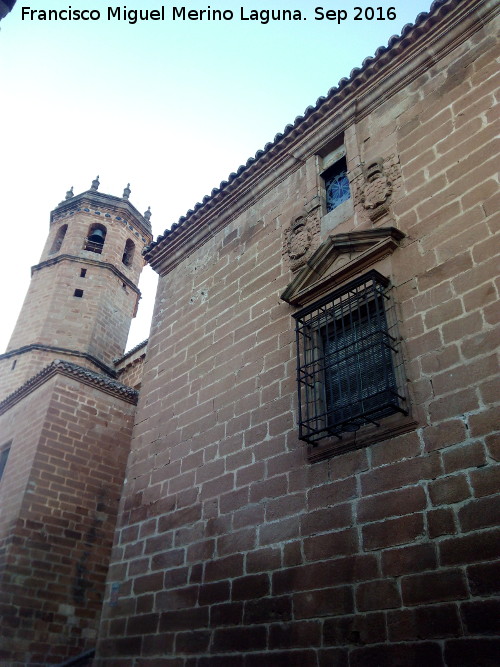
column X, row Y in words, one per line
column 58, row 241
column 348, row 360
column 13, row 364
column 128, row 252
column 83, row 273
column 4, row 455
column 78, row 292
column 336, row 184
column 95, row 239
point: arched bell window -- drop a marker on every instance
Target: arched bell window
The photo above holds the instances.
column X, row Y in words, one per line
column 95, row 239
column 128, row 252
column 56, row 245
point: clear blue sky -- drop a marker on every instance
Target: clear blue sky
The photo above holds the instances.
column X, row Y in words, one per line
column 170, row 106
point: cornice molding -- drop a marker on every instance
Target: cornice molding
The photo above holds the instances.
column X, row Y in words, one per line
column 102, row 201
column 92, row 262
column 75, row 372
column 59, row 350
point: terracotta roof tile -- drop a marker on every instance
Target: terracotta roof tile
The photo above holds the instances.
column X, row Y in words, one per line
column 70, row 369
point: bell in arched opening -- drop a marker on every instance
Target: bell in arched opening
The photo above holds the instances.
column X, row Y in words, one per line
column 95, row 240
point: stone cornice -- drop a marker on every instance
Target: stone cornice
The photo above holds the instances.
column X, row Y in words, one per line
column 68, row 369
column 59, row 350
column 92, row 262
column 98, row 200
column 392, row 68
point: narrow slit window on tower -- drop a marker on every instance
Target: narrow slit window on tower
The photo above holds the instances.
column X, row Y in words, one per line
column 95, row 239
column 128, row 252
column 349, row 365
column 4, row 455
column 78, row 293
column 83, row 273
column 56, row 245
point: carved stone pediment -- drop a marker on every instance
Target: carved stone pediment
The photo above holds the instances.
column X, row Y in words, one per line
column 340, row 258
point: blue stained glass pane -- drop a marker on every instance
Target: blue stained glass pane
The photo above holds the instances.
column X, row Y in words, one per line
column 337, row 190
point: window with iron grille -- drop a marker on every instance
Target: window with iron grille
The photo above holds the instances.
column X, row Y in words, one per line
column 349, row 365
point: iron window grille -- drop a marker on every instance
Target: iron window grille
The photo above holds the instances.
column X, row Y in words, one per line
column 349, row 361
column 336, row 185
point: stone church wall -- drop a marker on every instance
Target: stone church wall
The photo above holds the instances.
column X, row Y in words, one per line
column 233, row 547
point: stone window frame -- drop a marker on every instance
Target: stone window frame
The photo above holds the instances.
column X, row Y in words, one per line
column 328, row 162
column 340, row 260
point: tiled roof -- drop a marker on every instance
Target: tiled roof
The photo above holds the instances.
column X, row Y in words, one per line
column 395, row 44
column 118, row 360
column 70, row 369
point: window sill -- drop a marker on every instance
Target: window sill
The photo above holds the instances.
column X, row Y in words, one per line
column 368, row 435
column 336, row 217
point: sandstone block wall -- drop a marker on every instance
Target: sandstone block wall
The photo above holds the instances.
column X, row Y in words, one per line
column 232, row 548
column 130, row 367
column 58, row 498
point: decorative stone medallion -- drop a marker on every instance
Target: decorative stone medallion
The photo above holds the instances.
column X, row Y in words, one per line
column 302, row 237
column 376, row 190
column 299, row 239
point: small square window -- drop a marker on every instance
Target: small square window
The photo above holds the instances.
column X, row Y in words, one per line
column 349, row 360
column 78, row 293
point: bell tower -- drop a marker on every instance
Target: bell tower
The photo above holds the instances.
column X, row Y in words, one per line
column 83, row 292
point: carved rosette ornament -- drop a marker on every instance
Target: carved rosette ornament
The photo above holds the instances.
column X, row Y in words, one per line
column 302, row 237
column 376, row 190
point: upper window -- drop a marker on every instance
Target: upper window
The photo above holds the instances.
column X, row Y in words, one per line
column 336, row 184
column 348, row 360
column 61, row 233
column 128, row 253
column 95, row 239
